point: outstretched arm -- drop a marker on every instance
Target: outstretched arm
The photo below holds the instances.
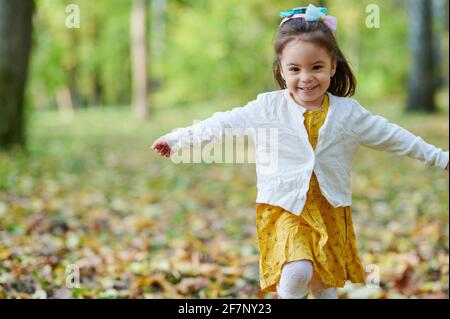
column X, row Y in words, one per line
column 211, row 128
column 376, row 132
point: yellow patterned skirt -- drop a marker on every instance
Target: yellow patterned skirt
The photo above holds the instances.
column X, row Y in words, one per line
column 322, row 234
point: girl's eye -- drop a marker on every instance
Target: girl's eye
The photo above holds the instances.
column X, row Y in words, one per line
column 294, row 69
column 317, row 67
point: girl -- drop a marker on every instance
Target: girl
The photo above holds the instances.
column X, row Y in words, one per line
column 304, row 216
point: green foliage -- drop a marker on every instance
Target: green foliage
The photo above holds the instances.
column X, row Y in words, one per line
column 97, row 51
column 211, row 50
column 218, row 49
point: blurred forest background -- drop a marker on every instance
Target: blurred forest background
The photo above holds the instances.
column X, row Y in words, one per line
column 82, row 195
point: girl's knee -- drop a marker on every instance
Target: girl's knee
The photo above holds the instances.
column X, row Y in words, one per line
column 295, row 279
column 301, row 270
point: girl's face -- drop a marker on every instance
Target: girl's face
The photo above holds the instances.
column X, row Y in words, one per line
column 307, row 69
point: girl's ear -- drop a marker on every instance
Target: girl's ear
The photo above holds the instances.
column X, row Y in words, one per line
column 333, row 67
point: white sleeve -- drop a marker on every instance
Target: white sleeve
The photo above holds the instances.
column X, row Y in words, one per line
column 213, row 128
column 377, row 133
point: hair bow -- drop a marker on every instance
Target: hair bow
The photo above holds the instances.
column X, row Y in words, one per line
column 311, row 13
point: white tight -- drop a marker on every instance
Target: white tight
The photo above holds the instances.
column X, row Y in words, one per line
column 297, row 278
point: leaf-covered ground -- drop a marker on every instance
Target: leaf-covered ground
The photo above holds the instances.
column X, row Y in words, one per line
column 91, row 194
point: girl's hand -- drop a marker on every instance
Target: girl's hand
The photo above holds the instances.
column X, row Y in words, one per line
column 161, row 146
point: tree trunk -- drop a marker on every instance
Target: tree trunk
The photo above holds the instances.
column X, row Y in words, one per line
column 15, row 47
column 97, row 85
column 421, row 79
column 65, row 104
column 139, row 58
column 72, row 70
column 439, row 16
column 97, row 90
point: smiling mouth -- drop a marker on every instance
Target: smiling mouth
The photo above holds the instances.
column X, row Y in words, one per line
column 307, row 89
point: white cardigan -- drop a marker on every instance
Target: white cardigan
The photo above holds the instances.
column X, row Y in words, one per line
column 284, row 165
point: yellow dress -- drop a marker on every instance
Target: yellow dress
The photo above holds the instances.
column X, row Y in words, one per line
column 322, row 234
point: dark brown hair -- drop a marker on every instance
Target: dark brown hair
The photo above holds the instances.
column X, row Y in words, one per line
column 343, row 83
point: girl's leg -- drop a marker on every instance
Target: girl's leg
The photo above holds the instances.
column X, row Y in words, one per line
column 294, row 280
column 319, row 291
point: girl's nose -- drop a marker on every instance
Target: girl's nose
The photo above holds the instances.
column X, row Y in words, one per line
column 306, row 77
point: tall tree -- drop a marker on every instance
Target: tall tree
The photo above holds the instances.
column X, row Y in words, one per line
column 440, row 18
column 421, row 79
column 139, row 58
column 15, row 47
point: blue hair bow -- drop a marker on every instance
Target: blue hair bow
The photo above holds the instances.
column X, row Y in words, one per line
column 303, row 10
column 311, row 13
